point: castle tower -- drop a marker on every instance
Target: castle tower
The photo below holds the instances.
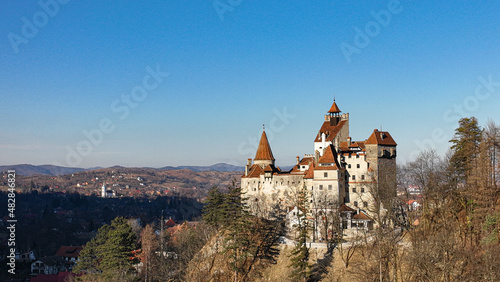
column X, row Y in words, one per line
column 335, row 129
column 264, row 155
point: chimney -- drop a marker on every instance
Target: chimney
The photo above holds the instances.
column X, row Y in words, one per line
column 298, row 160
column 249, row 162
column 316, row 157
column 349, row 141
column 246, row 170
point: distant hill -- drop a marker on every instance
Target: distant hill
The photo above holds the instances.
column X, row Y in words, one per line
column 215, row 167
column 28, row 170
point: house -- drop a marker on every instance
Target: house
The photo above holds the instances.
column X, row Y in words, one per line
column 25, row 257
column 413, row 205
column 49, row 265
column 69, row 253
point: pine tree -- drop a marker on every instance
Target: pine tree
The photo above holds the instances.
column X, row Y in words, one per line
column 212, row 212
column 465, row 147
column 109, row 253
column 300, row 253
column 238, row 226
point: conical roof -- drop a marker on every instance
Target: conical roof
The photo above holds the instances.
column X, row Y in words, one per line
column 334, row 109
column 264, row 151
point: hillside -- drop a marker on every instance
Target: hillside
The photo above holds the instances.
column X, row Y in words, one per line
column 27, row 169
column 124, row 181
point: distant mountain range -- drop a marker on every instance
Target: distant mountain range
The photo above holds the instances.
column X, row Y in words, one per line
column 215, row 167
column 28, row 170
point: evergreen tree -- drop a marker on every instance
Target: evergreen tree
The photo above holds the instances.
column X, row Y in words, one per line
column 212, row 212
column 238, row 227
column 465, row 147
column 300, row 253
column 109, row 253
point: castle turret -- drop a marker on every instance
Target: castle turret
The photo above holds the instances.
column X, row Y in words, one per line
column 264, row 155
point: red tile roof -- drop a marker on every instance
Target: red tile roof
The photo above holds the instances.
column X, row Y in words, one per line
column 254, row 171
column 345, row 208
column 59, row 277
column 361, row 216
column 264, row 150
column 329, row 156
column 334, row 109
column 69, row 251
column 170, row 223
column 330, row 130
column 268, row 168
column 310, row 171
column 381, row 138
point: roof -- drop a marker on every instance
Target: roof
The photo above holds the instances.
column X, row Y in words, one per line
column 361, row 216
column 345, row 208
column 268, row 168
column 329, row 156
column 254, row 171
column 381, row 138
column 310, row 171
column 330, row 130
column 59, row 277
column 264, row 150
column 334, row 109
column 53, row 260
column 170, row 223
column 69, row 251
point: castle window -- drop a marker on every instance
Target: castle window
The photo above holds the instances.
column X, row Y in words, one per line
column 362, row 189
column 310, row 201
column 365, row 204
column 357, row 156
column 354, row 189
column 329, row 187
column 325, row 174
column 255, row 189
column 354, row 177
column 355, row 203
column 357, row 166
column 349, row 155
column 349, row 166
column 320, row 187
column 363, row 177
column 346, row 189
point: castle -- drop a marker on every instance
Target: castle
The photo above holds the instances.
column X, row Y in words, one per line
column 341, row 175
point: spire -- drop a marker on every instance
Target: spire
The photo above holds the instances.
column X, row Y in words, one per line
column 334, row 109
column 264, row 152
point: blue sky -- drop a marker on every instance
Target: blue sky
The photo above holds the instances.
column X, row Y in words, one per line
column 158, row 83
